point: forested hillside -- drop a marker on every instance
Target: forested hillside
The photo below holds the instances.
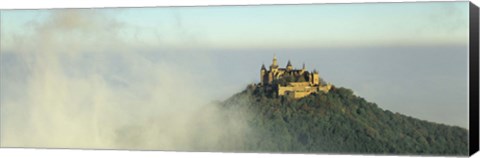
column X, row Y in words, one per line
column 339, row 122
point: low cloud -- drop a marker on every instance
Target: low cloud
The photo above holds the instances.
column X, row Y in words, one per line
column 75, row 84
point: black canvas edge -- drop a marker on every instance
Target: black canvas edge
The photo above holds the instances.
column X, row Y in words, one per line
column 473, row 79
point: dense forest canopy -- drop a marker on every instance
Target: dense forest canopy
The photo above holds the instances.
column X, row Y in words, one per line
column 338, row 122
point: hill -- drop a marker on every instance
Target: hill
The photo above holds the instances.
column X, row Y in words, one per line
column 339, row 122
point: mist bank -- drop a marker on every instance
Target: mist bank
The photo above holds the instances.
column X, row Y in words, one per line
column 111, row 101
column 73, row 83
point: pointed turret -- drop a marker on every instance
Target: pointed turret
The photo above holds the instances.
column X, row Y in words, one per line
column 263, row 72
column 289, row 66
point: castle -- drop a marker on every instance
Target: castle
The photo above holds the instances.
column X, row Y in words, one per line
column 296, row 83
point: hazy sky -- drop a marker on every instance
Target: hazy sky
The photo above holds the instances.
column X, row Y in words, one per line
column 292, row 26
column 89, row 72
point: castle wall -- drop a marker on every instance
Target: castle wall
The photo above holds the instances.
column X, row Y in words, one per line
column 297, row 89
column 283, row 90
column 298, row 95
column 325, row 88
column 298, row 84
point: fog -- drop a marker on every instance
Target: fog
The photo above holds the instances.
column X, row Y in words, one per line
column 74, row 84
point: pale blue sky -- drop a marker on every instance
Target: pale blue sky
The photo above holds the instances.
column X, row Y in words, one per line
column 291, row 26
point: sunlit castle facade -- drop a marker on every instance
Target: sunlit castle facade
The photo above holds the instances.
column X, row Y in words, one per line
column 288, row 81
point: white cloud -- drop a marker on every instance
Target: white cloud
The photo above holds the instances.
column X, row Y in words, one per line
column 86, row 88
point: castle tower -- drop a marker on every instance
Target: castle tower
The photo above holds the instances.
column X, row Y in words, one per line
column 289, row 66
column 274, row 61
column 303, row 69
column 315, row 78
column 274, row 65
column 263, row 72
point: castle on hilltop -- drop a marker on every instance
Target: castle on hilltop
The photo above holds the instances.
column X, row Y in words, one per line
column 296, row 83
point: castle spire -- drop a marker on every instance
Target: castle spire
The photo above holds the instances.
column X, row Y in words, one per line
column 263, row 67
column 303, row 68
column 289, row 64
column 274, row 61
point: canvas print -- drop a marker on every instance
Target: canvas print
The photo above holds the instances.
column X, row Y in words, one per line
column 370, row 78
